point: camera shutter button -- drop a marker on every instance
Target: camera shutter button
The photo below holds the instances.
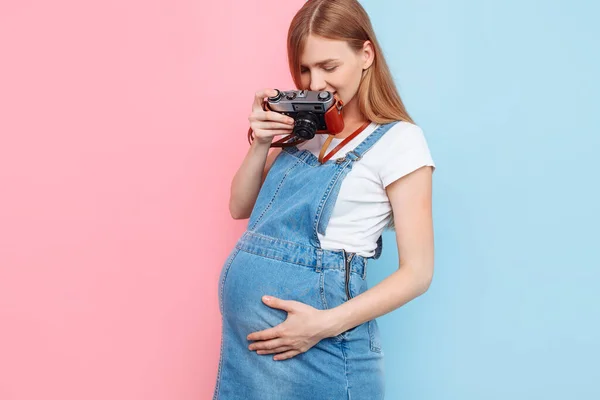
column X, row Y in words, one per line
column 277, row 96
column 324, row 96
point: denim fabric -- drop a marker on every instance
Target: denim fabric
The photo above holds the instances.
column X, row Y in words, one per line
column 279, row 254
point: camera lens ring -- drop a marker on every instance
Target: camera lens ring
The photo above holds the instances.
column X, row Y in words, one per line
column 306, row 125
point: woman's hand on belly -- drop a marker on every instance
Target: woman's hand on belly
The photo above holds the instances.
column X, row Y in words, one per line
column 304, row 327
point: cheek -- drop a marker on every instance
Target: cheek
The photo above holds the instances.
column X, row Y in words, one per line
column 345, row 81
column 347, row 84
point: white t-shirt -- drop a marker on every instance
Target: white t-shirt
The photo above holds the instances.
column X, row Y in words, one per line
column 362, row 209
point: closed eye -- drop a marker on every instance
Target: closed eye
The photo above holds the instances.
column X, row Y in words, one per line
column 328, row 69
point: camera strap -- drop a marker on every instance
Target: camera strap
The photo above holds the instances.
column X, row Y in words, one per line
column 341, row 145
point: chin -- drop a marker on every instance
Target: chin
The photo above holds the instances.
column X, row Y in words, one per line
column 349, row 100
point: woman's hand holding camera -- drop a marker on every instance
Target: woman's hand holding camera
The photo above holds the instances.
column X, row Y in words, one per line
column 268, row 124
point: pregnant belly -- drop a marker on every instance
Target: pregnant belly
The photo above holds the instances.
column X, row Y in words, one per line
column 247, row 277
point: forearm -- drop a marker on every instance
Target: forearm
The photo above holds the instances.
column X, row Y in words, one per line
column 247, row 181
column 397, row 289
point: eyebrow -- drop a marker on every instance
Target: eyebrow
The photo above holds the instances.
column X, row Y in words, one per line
column 323, row 62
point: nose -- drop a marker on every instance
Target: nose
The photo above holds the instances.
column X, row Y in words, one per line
column 317, row 83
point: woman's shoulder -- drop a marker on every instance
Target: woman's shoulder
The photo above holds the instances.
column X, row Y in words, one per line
column 403, row 134
column 405, row 126
column 401, row 150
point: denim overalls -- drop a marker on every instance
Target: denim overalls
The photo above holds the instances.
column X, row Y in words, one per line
column 280, row 255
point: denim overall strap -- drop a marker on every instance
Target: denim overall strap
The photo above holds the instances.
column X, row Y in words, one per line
column 357, row 153
column 298, row 195
column 347, row 161
column 288, row 204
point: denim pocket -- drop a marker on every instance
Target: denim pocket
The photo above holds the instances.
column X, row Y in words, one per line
column 223, row 275
column 374, row 336
column 333, row 292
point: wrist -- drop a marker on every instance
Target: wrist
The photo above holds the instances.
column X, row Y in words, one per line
column 260, row 148
column 334, row 322
column 264, row 142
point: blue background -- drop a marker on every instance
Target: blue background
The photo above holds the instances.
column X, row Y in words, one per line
column 506, row 93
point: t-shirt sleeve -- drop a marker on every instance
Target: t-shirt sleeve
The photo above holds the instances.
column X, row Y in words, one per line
column 405, row 152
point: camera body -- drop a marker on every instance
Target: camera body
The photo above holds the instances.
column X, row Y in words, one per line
column 313, row 111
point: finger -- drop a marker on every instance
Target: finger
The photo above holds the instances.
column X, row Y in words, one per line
column 259, row 98
column 270, row 116
column 275, row 116
column 268, row 344
column 266, row 334
column 286, row 355
column 272, row 132
column 270, row 125
column 274, row 302
column 276, row 350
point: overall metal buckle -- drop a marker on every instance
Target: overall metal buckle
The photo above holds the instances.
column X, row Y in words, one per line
column 341, row 160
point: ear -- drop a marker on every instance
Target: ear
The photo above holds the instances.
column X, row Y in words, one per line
column 368, row 54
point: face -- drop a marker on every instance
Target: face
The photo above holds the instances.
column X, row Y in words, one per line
column 332, row 65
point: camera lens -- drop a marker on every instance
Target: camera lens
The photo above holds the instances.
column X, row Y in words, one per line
column 306, row 125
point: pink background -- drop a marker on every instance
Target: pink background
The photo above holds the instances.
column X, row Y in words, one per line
column 122, row 124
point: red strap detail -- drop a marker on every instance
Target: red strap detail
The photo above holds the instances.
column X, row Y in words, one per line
column 343, row 142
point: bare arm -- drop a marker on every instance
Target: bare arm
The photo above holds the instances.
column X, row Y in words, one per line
column 410, row 197
column 250, row 176
column 249, row 179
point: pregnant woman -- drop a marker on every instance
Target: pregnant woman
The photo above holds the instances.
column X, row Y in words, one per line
column 299, row 320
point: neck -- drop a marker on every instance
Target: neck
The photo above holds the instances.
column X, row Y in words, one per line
column 353, row 119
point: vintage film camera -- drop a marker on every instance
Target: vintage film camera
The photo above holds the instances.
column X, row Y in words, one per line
column 313, row 112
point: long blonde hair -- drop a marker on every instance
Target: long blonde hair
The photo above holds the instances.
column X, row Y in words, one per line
column 347, row 20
